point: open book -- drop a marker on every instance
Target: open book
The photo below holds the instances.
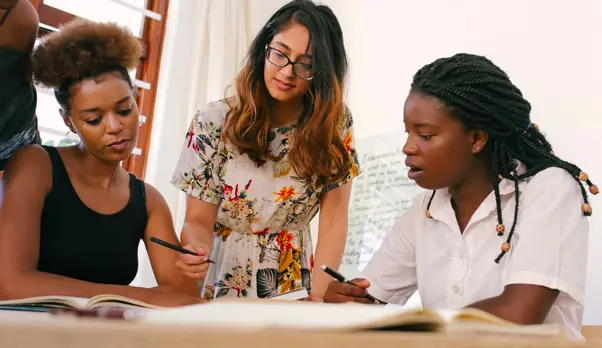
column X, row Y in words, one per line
column 99, row 301
column 44, row 303
column 255, row 315
column 294, row 295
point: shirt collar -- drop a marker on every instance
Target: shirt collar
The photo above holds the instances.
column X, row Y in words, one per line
column 441, row 204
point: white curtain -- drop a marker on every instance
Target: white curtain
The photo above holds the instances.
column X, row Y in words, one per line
column 204, row 48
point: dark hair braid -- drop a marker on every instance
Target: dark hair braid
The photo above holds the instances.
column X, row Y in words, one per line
column 482, row 96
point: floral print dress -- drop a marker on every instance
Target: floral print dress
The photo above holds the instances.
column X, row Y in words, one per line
column 262, row 242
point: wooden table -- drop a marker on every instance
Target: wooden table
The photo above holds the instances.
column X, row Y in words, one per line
column 19, row 329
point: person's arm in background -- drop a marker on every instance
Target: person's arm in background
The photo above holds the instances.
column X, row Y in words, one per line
column 197, row 235
column 163, row 260
column 333, row 223
column 332, row 237
column 27, row 181
column 198, row 174
column 20, row 29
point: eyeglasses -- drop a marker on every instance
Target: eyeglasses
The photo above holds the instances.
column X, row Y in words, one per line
column 279, row 59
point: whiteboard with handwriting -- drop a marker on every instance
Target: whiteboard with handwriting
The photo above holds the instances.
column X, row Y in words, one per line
column 379, row 196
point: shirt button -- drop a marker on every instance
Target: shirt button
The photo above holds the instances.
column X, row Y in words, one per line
column 456, row 289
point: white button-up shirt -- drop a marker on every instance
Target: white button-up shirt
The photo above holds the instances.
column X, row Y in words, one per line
column 452, row 270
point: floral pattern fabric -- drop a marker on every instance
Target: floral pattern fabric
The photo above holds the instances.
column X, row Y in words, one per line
column 262, row 242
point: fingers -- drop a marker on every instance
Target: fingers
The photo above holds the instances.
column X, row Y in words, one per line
column 338, row 292
column 338, row 298
column 193, row 260
column 195, row 276
column 202, row 251
column 361, row 282
column 197, row 268
column 194, row 271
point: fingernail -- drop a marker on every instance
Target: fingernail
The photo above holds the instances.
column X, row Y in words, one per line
column 205, row 258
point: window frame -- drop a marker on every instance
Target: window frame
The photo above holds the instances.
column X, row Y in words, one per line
column 148, row 70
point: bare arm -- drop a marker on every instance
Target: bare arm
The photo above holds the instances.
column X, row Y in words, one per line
column 27, row 180
column 332, row 236
column 520, row 303
column 20, row 29
column 197, row 235
column 163, row 260
column 198, row 222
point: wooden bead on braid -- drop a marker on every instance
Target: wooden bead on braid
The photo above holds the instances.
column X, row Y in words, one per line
column 428, row 206
column 587, row 209
column 583, row 176
column 500, row 229
column 594, row 189
column 505, row 248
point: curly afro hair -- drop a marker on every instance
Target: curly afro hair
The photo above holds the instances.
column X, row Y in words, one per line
column 84, row 49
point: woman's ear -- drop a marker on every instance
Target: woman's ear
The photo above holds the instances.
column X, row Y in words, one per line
column 479, row 140
column 66, row 119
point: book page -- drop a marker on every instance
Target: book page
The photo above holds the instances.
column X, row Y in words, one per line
column 472, row 321
column 291, row 295
column 107, row 300
column 50, row 301
column 261, row 314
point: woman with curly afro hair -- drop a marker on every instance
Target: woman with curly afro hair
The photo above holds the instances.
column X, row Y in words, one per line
column 71, row 218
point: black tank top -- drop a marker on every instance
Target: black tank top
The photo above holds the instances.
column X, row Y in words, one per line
column 79, row 243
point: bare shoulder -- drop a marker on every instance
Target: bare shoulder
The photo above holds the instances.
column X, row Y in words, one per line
column 25, row 14
column 28, row 163
column 20, row 29
column 154, row 199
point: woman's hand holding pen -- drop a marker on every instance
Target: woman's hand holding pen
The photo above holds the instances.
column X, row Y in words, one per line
column 339, row 292
column 194, row 266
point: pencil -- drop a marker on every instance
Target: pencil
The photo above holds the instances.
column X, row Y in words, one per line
column 338, row 276
column 176, row 248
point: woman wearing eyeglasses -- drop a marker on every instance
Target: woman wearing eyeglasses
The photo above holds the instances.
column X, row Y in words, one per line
column 259, row 165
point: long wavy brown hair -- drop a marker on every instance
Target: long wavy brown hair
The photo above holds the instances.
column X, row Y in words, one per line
column 317, row 152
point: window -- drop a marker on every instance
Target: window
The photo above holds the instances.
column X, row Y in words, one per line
column 146, row 19
column 102, row 10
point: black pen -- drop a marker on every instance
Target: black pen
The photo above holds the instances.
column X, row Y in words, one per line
column 338, row 276
column 176, row 248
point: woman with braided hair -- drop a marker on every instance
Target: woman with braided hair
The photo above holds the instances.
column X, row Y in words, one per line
column 503, row 227
column 71, row 218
